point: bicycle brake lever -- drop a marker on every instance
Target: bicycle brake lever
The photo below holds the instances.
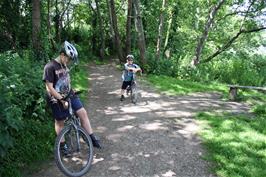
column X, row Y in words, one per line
column 79, row 92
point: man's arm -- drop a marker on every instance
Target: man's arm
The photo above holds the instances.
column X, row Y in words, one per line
column 137, row 68
column 53, row 92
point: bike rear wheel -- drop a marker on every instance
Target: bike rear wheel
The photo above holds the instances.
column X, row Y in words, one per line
column 78, row 158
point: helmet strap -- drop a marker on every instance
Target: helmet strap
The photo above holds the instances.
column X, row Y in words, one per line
column 58, row 59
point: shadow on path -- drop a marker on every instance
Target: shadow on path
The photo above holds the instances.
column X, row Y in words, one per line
column 156, row 137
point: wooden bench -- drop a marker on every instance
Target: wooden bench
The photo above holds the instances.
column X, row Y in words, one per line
column 233, row 90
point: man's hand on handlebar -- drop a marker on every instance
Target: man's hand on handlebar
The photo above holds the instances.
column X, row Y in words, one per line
column 134, row 70
column 64, row 103
column 64, row 99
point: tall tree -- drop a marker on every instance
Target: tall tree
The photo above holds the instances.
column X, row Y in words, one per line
column 204, row 36
column 168, row 28
column 251, row 11
column 9, row 24
column 116, row 32
column 111, row 29
column 128, row 27
column 160, row 29
column 36, row 27
column 102, row 38
column 140, row 31
column 59, row 15
column 49, row 26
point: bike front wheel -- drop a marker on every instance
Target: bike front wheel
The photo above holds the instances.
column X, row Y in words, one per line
column 75, row 157
column 134, row 94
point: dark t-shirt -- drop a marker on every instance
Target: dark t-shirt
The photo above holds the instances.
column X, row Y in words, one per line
column 57, row 74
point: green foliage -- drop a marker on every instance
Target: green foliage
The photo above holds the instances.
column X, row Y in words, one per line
column 236, row 144
column 22, row 102
column 33, row 143
column 25, row 130
column 80, row 79
column 242, row 71
column 167, row 67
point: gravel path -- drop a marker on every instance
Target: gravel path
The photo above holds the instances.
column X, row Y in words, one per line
column 156, row 137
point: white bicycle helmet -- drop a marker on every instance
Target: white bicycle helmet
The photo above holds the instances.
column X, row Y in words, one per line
column 130, row 57
column 70, row 51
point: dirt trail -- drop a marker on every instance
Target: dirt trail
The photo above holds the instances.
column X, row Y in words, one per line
column 156, row 137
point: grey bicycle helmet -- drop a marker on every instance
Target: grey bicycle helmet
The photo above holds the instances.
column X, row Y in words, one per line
column 130, row 57
column 70, row 51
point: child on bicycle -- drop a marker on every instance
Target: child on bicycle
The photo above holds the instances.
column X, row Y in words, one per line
column 57, row 80
column 128, row 75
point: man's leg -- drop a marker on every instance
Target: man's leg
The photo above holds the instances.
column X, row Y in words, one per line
column 85, row 122
column 122, row 98
column 123, row 88
column 59, row 125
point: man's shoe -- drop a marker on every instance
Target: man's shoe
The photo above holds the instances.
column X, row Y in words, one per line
column 95, row 141
column 122, row 98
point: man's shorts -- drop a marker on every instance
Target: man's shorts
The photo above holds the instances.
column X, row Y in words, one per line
column 58, row 111
column 125, row 84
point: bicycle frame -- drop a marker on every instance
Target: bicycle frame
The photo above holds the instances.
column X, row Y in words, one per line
column 73, row 121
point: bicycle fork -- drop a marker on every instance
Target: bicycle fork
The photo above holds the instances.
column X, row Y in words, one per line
column 74, row 134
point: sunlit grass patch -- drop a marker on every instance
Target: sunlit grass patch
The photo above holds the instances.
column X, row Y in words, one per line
column 236, row 144
column 180, row 87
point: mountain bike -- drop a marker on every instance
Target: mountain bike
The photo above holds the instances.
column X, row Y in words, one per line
column 76, row 161
column 133, row 90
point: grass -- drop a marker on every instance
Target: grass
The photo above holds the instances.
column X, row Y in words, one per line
column 100, row 62
column 175, row 86
column 236, row 144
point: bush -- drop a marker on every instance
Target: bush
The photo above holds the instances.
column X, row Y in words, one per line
column 242, row 71
column 161, row 66
column 25, row 132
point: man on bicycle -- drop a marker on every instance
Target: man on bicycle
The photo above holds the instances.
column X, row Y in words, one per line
column 128, row 75
column 57, row 80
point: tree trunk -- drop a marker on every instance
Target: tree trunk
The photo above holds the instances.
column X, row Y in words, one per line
column 140, row 32
column 128, row 27
column 204, row 36
column 168, row 30
column 36, row 27
column 197, row 18
column 61, row 17
column 160, row 30
column 94, row 37
column 51, row 40
column 57, row 23
column 111, row 32
column 48, row 19
column 117, row 37
column 102, row 38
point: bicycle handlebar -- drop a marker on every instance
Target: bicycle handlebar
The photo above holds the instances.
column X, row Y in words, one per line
column 72, row 93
